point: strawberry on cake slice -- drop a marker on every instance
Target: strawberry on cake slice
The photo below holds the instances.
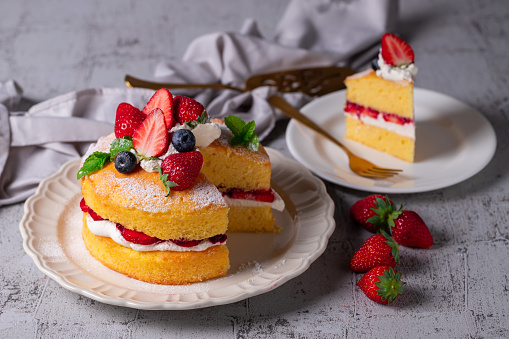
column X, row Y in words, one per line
column 379, row 108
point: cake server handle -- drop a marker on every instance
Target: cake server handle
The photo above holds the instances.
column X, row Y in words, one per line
column 357, row 164
column 132, row 82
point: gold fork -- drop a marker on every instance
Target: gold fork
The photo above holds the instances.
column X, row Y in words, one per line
column 358, row 165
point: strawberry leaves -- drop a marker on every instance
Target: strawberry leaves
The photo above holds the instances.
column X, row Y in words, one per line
column 167, row 183
column 243, row 133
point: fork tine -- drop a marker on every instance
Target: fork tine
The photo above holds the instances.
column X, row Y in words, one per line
column 387, row 169
column 375, row 174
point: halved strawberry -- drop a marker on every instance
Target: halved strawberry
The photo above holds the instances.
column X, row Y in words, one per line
column 84, row 207
column 186, row 109
column 128, row 118
column 163, row 100
column 394, row 119
column 150, row 139
column 137, row 237
column 395, row 51
column 186, row 243
column 182, row 168
column 258, row 195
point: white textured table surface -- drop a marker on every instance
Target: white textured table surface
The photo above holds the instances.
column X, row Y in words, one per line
column 457, row 288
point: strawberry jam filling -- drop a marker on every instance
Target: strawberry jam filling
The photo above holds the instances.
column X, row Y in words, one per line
column 359, row 110
column 256, row 195
column 141, row 238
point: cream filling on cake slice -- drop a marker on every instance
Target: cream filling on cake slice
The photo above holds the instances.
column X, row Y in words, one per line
column 391, row 122
column 107, row 228
column 278, row 204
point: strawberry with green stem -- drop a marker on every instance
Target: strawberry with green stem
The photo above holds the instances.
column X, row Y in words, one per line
column 381, row 284
column 378, row 250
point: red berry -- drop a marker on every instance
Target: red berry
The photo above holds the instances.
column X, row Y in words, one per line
column 185, row 243
column 257, row 195
column 128, row 118
column 150, row 139
column 163, row 100
column 362, row 212
column 137, row 237
column 378, row 250
column 381, row 284
column 182, row 168
column 84, row 207
column 410, row 230
column 395, row 51
column 186, row 109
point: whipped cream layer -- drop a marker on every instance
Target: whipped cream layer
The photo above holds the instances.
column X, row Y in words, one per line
column 106, row 228
column 407, row 128
column 278, row 204
column 396, row 73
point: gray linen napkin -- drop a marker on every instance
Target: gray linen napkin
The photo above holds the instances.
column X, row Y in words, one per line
column 35, row 144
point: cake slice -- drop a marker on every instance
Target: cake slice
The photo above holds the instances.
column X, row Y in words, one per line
column 379, row 108
column 243, row 176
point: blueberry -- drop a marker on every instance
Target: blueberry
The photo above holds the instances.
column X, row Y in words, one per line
column 374, row 64
column 183, row 140
column 125, row 162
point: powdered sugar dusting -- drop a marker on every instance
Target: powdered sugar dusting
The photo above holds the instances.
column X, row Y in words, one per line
column 144, row 191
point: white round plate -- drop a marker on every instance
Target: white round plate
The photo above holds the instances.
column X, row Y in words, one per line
column 51, row 230
column 453, row 142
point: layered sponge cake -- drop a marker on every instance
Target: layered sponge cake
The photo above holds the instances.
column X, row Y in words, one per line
column 151, row 205
column 379, row 109
column 243, row 177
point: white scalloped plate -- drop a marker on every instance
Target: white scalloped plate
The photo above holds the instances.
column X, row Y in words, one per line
column 454, row 142
column 51, row 230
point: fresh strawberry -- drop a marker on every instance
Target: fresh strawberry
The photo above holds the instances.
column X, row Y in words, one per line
column 364, row 212
column 186, row 109
column 395, row 51
column 150, row 139
column 128, row 118
column 369, row 112
column 378, row 250
column 137, row 237
column 185, row 243
column 381, row 284
column 408, row 229
column 258, row 195
column 163, row 100
column 84, row 207
column 182, row 168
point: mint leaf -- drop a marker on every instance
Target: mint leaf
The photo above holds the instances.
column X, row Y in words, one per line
column 164, row 178
column 120, row 144
column 237, row 141
column 253, row 144
column 243, row 133
column 234, row 124
column 93, row 162
column 248, row 130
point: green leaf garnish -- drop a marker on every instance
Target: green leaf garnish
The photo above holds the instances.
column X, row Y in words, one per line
column 119, row 145
column 243, row 133
column 203, row 119
column 93, row 162
column 164, row 178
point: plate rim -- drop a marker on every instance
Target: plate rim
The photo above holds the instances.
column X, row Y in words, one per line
column 327, row 218
column 489, row 152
